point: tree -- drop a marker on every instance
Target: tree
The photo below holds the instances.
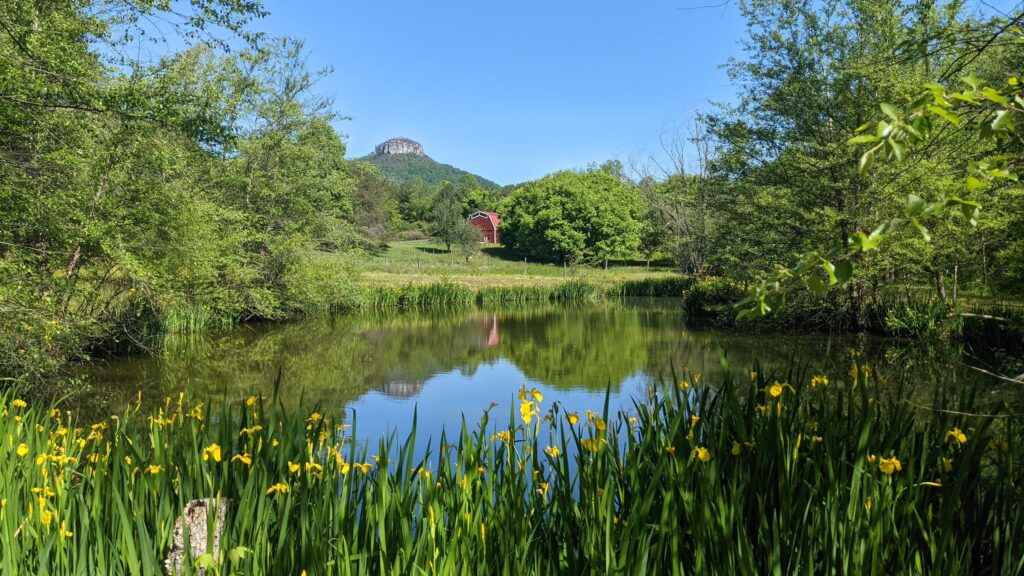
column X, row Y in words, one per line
column 928, row 131
column 591, row 215
column 448, row 224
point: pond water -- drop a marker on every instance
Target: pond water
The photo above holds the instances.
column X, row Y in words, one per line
column 446, row 365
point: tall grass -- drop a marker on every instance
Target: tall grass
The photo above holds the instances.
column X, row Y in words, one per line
column 438, row 294
column 671, row 287
column 513, row 294
column 782, row 474
column 451, row 294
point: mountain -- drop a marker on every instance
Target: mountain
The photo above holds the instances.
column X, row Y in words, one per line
column 400, row 160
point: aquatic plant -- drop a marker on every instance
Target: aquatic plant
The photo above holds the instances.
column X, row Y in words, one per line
column 798, row 473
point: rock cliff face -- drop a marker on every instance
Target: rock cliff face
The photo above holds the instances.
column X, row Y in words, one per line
column 399, row 146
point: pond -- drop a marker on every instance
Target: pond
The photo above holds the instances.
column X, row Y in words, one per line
column 446, row 365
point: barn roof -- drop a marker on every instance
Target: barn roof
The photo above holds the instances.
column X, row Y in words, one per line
column 492, row 216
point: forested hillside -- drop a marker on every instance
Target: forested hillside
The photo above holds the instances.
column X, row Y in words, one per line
column 403, row 168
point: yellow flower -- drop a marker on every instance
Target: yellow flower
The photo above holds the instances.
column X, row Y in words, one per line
column 958, row 435
column 701, row 453
column 279, row 488
column 211, row 451
column 314, row 418
column 735, row 448
column 364, row 468
column 128, row 460
column 543, row 490
column 274, row 443
column 819, row 381
column 293, row 468
column 572, row 417
column 868, row 503
column 528, row 409
column 154, row 469
column 250, row 401
column 683, row 385
column 525, row 394
column 22, row 450
column 251, row 430
column 553, row 451
column 46, row 518
column 947, row 464
column 671, row 450
column 3, row 502
column 753, row 375
column 505, row 436
column 19, row 403
column 592, row 444
column 890, row 465
column 243, row 458
column 315, row 469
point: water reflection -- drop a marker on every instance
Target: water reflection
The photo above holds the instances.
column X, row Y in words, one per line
column 449, row 364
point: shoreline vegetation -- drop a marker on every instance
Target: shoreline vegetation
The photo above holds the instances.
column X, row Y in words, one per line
column 782, row 472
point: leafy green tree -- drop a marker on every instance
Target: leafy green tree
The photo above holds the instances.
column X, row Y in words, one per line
column 448, row 224
column 591, row 215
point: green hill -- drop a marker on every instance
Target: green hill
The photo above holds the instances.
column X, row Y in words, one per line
column 400, row 160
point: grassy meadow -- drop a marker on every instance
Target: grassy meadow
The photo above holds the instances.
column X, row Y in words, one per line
column 787, row 473
column 423, row 261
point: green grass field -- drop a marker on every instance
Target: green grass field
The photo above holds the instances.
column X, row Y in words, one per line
column 423, row 261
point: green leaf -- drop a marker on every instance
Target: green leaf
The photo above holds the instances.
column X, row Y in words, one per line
column 944, row 114
column 816, row 285
column 890, row 110
column 968, row 208
column 972, row 81
column 898, row 148
column 915, row 205
column 994, row 96
column 974, row 184
column 830, row 269
column 237, row 554
column 920, row 228
column 863, row 139
column 1002, row 120
column 844, row 271
column 865, row 160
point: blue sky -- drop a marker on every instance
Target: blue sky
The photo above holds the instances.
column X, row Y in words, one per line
column 516, row 89
column 513, row 90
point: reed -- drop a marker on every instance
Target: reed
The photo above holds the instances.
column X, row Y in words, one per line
column 671, row 287
column 788, row 473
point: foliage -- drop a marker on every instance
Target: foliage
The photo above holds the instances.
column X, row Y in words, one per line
column 795, row 471
column 585, row 216
column 448, row 223
column 950, row 143
column 403, row 168
column 148, row 197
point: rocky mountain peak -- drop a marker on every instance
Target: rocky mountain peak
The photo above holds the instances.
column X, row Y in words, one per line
column 399, row 146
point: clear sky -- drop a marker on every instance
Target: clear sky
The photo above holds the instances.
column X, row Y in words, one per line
column 514, row 89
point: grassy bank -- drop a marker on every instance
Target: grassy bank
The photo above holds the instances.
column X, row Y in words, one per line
column 424, row 262
column 789, row 473
column 450, row 293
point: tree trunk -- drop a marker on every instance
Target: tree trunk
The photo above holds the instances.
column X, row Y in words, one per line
column 940, row 284
column 956, row 281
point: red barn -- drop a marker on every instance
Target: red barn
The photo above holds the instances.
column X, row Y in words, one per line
column 487, row 222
